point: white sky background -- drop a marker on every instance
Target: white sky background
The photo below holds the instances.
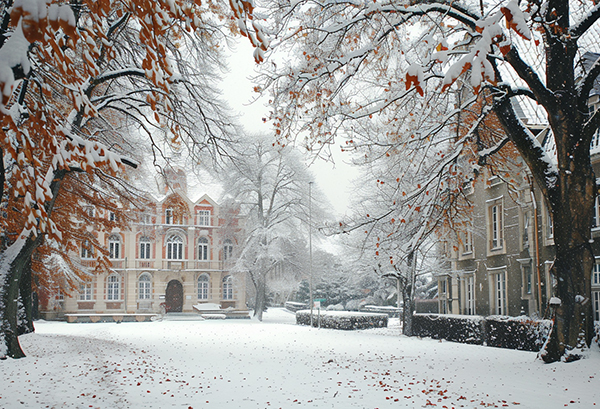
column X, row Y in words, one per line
column 334, row 180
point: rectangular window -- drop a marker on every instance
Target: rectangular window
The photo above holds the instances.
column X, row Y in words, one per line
column 204, row 218
column 145, row 249
column 470, row 293
column 112, row 217
column 114, row 248
column 85, row 292
column 468, row 242
column 169, row 216
column 596, row 219
column 525, row 229
column 87, row 250
column 113, row 288
column 496, row 230
column 550, row 227
column 596, row 275
column 500, row 293
column 596, row 298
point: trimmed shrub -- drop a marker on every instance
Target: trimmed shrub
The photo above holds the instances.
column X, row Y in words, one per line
column 521, row 333
column 342, row 319
column 457, row 328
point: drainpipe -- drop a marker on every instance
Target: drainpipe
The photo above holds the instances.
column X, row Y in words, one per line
column 537, row 248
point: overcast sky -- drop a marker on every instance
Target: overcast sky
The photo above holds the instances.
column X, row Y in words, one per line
column 336, row 181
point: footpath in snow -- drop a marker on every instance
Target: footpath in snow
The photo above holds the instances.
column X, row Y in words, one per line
column 241, row 364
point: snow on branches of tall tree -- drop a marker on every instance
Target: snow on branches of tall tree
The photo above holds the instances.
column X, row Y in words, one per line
column 359, row 68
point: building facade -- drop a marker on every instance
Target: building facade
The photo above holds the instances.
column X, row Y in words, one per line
column 501, row 265
column 175, row 255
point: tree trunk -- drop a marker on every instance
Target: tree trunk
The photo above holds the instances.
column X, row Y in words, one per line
column 9, row 294
column 573, row 327
column 14, row 261
column 261, row 296
column 408, row 308
column 25, row 314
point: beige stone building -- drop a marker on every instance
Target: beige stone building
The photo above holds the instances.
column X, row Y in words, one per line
column 175, row 256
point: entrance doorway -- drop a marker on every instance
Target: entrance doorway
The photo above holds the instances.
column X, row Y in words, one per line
column 174, row 297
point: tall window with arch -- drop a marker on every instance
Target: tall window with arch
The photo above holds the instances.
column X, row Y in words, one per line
column 203, row 287
column 174, row 247
column 227, row 249
column 145, row 287
column 113, row 287
column 203, row 249
column 114, row 246
column 144, row 247
column 228, row 288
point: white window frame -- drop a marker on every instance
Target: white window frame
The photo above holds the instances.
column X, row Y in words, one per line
column 496, row 225
column 113, row 287
column 596, row 304
column 87, row 251
column 145, row 248
column 467, row 242
column 114, row 247
column 203, row 249
column 470, row 294
column 203, row 286
column 169, row 216
column 596, row 220
column 499, row 293
column 145, row 286
column 596, row 275
column 86, row 291
column 228, row 287
column 227, row 249
column 526, row 228
column 204, row 217
column 174, row 247
column 112, row 216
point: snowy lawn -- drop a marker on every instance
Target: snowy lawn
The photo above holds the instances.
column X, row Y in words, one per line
column 276, row 364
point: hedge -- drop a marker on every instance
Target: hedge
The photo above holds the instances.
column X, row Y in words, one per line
column 344, row 320
column 498, row 331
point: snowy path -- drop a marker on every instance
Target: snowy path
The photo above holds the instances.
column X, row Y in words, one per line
column 276, row 364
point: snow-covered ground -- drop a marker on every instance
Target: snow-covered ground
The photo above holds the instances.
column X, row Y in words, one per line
column 276, row 364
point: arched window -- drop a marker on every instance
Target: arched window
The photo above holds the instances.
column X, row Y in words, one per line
column 174, row 248
column 227, row 249
column 227, row 288
column 202, row 249
column 145, row 287
column 145, row 248
column 203, row 286
column 114, row 246
column 113, row 287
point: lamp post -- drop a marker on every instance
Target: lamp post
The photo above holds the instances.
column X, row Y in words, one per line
column 310, row 282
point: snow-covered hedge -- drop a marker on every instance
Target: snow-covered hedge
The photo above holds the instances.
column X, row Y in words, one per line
column 516, row 332
column 466, row 329
column 345, row 320
column 498, row 331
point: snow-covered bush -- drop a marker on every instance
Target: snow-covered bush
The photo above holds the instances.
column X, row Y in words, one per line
column 335, row 307
column 381, row 309
column 467, row 329
column 345, row 320
column 521, row 333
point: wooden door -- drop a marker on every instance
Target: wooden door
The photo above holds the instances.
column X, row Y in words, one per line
column 174, row 297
